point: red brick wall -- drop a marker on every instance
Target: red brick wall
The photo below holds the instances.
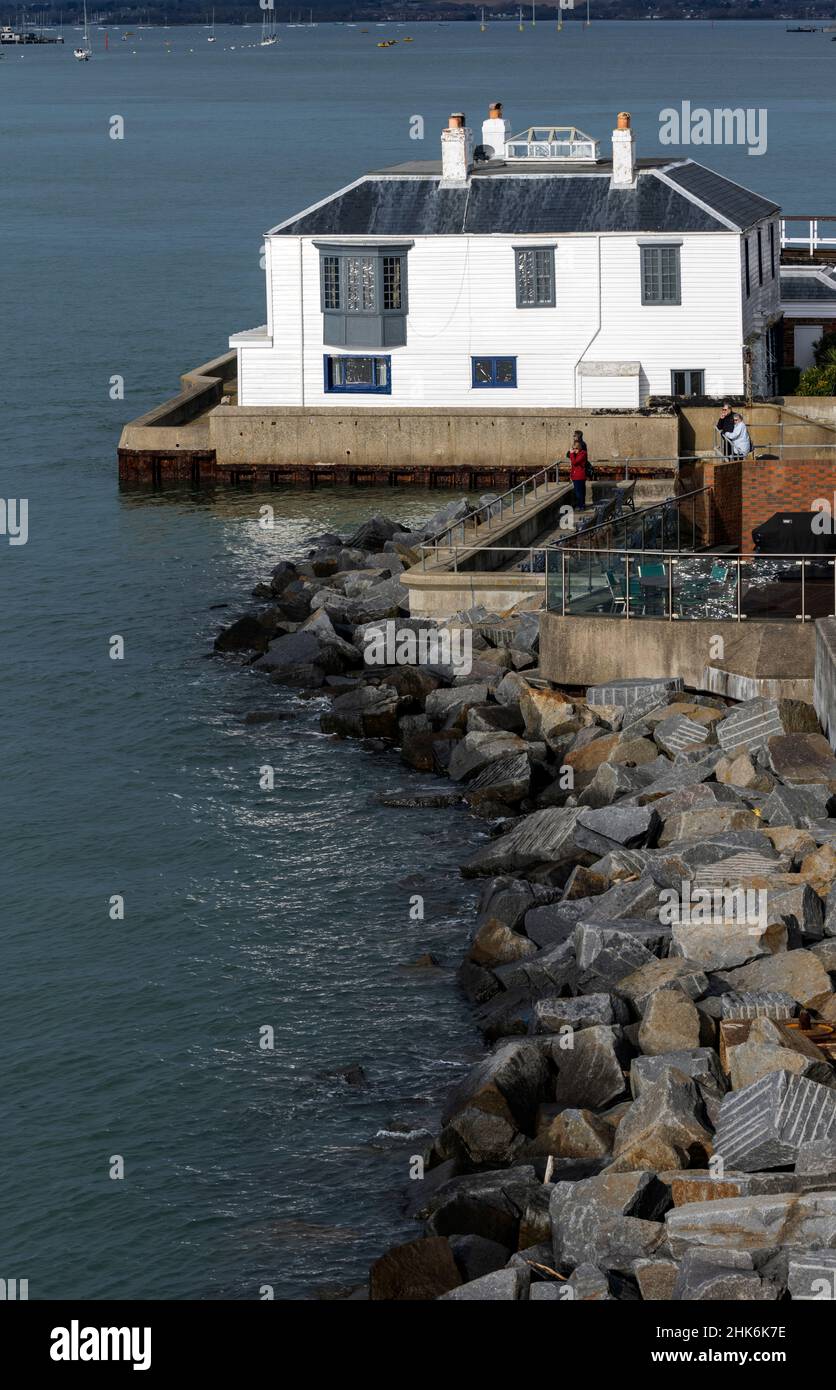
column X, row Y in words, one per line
column 747, row 494
column 720, row 519
column 782, row 485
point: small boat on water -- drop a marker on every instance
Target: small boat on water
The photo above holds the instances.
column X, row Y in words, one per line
column 84, row 52
column 211, row 37
column 268, row 33
column 803, row 29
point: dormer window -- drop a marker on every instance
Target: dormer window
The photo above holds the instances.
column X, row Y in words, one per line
column 363, row 294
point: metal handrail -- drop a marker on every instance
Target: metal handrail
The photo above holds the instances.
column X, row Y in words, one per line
column 778, row 445
column 490, row 507
column 534, row 480
column 558, row 557
column 812, row 240
column 632, row 517
column 802, row 559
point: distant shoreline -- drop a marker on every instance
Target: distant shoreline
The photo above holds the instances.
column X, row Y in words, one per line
column 546, row 15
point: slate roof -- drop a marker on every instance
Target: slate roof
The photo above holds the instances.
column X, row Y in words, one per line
column 545, row 200
column 738, row 204
column 807, row 287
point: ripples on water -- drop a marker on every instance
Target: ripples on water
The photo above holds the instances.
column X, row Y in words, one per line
column 243, row 909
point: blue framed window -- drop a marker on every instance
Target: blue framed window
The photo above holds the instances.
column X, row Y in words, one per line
column 493, row 371
column 369, row 375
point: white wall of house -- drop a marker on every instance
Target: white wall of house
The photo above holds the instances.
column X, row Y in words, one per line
column 462, row 303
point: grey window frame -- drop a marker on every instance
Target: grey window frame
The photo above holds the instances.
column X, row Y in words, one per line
column 366, row 326
column 747, row 260
column 760, row 256
column 772, row 247
column 549, row 302
column 690, row 373
column 654, row 248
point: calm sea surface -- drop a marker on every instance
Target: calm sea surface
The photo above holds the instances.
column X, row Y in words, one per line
column 135, row 258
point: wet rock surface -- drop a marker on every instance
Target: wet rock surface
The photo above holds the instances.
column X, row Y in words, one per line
column 651, row 966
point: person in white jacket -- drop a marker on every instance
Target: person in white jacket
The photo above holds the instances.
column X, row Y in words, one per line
column 739, row 439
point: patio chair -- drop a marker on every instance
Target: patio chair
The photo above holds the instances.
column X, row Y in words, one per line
column 618, row 592
column 625, row 500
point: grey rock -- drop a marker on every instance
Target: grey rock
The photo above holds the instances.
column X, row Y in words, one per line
column 817, row 1159
column 503, row 1286
column 610, row 1220
column 489, row 719
column 667, row 1118
column 510, row 688
column 367, row 712
column 802, row 758
column 638, row 898
column 679, row 775
column 547, row 1293
column 679, row 733
column 614, row 827
column 754, row 1223
column 701, row 1064
column 656, row 1278
column 588, row 1284
column 702, row 1279
column 551, row 970
column 552, row 1014
column 671, row 1022
column 750, row 725
column 631, row 690
column 553, row 923
column 811, row 1275
column 546, row 837
column 605, row 954
column 456, row 701
column 765, row 1125
column 611, row 781
column 373, row 534
column 285, row 655
column 799, row 806
column 826, row 953
column 505, row 779
column 518, row 1070
column 797, row 973
column 692, row 798
column 641, row 984
column 590, row 1072
column 622, row 864
column 775, row 1004
column 719, row 944
column 508, row 1014
column 487, row 1204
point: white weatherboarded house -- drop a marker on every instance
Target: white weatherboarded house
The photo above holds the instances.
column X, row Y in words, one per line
column 535, row 274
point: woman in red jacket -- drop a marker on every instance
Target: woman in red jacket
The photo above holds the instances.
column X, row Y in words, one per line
column 578, row 460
